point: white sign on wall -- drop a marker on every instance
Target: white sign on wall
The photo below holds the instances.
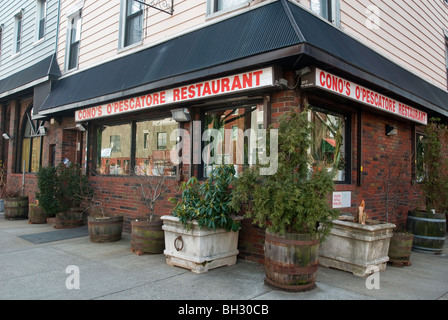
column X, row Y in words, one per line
column 342, row 199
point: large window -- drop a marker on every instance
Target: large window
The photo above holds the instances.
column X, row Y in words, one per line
column 73, row 39
column 31, row 143
column 41, row 6
column 223, row 5
column 327, row 9
column 227, row 138
column 329, row 142
column 142, row 147
column 132, row 22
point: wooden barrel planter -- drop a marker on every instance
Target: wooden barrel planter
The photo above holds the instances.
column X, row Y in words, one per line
column 429, row 231
column 105, row 229
column 72, row 218
column 16, row 208
column 400, row 248
column 147, row 237
column 291, row 260
column 36, row 214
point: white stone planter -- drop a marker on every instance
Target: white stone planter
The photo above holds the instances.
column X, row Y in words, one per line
column 356, row 248
column 198, row 249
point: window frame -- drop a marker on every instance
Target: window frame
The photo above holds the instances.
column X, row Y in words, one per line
column 212, row 7
column 41, row 19
column 333, row 11
column 347, row 140
column 34, row 134
column 124, row 23
column 73, row 47
column 18, row 28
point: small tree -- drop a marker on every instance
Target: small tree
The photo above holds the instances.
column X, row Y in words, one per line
column 2, row 181
column 49, row 188
column 435, row 175
column 290, row 200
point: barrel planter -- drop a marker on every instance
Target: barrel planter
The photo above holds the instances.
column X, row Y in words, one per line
column 36, row 214
column 2, row 205
column 147, row 237
column 429, row 231
column 105, row 229
column 16, row 208
column 400, row 248
column 291, row 260
column 72, row 218
column 196, row 249
column 357, row 248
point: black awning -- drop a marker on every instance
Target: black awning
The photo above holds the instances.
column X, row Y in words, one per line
column 44, row 69
column 260, row 36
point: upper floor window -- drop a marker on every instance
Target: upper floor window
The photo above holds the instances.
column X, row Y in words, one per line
column 1, row 41
column 132, row 23
column 73, row 39
column 18, row 19
column 40, row 18
column 327, row 9
column 222, row 5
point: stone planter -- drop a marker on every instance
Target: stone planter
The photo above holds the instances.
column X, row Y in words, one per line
column 356, row 248
column 198, row 249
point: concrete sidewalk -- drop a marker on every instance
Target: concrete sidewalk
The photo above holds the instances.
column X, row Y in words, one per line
column 111, row 271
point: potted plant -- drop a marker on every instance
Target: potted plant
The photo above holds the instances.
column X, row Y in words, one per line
column 428, row 224
column 16, row 206
column 292, row 204
column 147, row 235
column 102, row 226
column 202, row 232
column 48, row 190
column 73, row 187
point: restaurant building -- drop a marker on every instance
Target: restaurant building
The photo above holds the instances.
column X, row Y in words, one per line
column 239, row 65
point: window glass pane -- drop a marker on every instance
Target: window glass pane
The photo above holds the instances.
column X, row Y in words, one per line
column 328, row 141
column 321, row 7
column 18, row 32
column 35, row 154
column 226, row 4
column 26, row 144
column 114, row 149
column 133, row 23
column 228, row 140
column 133, row 7
column 150, row 158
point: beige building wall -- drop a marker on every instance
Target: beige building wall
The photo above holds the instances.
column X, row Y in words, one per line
column 410, row 33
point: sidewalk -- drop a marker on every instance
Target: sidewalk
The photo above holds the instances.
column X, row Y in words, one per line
column 111, row 271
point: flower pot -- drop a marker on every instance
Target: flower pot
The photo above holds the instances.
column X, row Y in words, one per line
column 147, row 237
column 356, row 248
column 291, row 260
column 198, row 250
column 105, row 229
column 36, row 214
column 72, row 218
column 400, row 247
column 16, row 208
column 429, row 230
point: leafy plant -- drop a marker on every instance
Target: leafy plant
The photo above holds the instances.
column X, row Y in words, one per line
column 294, row 199
column 208, row 203
column 2, row 181
column 435, row 174
column 48, row 185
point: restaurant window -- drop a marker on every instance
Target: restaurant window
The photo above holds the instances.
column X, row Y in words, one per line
column 18, row 21
column 228, row 140
column 329, row 144
column 73, row 40
column 135, row 147
column 327, row 9
column 131, row 23
column 223, row 5
column 420, row 168
column 32, row 137
column 41, row 6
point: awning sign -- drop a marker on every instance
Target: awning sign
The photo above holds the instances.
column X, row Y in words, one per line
column 237, row 83
column 329, row 82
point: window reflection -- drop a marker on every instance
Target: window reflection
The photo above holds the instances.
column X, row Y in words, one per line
column 153, row 146
column 114, row 149
column 228, row 138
